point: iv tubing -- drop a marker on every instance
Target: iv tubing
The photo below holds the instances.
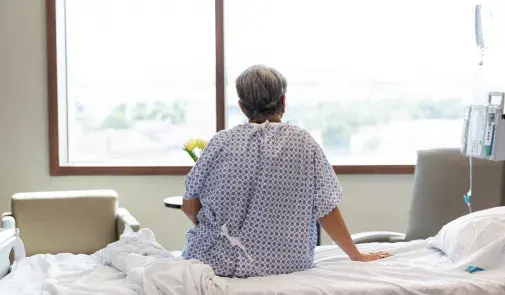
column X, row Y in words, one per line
column 469, row 194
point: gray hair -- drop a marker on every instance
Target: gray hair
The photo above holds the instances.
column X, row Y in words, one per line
column 260, row 89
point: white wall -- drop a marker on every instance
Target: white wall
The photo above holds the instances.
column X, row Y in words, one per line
column 370, row 202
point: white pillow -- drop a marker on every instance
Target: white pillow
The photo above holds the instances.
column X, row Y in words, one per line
column 476, row 239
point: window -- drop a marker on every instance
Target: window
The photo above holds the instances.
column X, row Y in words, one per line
column 372, row 81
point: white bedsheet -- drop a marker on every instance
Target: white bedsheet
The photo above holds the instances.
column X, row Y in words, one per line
column 414, row 269
column 135, row 264
column 138, row 265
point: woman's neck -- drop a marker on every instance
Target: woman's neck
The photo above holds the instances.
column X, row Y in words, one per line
column 272, row 119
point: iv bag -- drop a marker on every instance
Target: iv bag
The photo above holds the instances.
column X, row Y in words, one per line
column 489, row 21
column 490, row 48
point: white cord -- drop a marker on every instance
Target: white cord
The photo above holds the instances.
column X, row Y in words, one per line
column 469, row 193
column 478, row 75
column 470, row 168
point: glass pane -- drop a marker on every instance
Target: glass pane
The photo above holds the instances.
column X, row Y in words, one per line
column 141, row 80
column 372, row 81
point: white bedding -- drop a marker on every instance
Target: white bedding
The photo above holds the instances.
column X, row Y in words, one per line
column 138, row 265
column 414, row 269
column 476, row 239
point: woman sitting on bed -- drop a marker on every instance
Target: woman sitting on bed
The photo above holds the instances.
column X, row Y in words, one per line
column 258, row 190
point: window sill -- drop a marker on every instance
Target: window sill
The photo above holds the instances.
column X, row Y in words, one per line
column 183, row 170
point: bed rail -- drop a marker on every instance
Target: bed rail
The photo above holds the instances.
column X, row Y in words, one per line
column 10, row 243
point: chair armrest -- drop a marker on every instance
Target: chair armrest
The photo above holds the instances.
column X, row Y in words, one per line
column 8, row 220
column 125, row 218
column 378, row 236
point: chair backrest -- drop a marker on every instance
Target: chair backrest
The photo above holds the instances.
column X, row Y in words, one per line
column 78, row 222
column 441, row 179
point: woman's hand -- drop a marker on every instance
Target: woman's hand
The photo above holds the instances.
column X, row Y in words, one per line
column 335, row 226
column 372, row 256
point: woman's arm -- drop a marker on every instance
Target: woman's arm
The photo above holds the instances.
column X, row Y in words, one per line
column 196, row 178
column 191, row 209
column 334, row 225
column 327, row 194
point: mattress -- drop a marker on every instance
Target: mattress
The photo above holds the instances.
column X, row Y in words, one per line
column 414, row 269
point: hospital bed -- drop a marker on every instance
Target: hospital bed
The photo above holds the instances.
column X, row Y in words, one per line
column 440, row 181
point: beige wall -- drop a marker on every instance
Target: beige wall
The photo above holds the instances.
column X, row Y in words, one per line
column 370, row 202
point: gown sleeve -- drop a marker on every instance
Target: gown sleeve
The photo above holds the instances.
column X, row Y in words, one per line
column 328, row 191
column 196, row 178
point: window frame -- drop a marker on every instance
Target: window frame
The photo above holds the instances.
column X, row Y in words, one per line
column 55, row 169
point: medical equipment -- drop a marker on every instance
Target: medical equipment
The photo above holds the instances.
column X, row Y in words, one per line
column 484, row 134
column 483, row 124
column 484, row 127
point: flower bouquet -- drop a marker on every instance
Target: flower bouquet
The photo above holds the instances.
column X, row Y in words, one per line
column 195, row 147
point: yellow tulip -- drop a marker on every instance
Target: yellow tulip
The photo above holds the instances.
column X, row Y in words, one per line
column 190, row 145
column 193, row 144
column 201, row 144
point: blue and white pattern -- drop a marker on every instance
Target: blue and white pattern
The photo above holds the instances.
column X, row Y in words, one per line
column 262, row 188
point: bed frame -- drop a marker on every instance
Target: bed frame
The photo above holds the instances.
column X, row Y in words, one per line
column 10, row 243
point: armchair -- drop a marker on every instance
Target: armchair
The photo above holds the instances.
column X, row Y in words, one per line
column 78, row 222
column 441, row 179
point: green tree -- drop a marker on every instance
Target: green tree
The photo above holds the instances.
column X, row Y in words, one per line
column 117, row 119
column 140, row 112
column 337, row 135
column 175, row 112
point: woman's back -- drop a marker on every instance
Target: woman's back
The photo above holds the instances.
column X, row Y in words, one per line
column 262, row 187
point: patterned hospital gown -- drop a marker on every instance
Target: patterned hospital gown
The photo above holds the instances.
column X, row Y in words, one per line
column 262, row 188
